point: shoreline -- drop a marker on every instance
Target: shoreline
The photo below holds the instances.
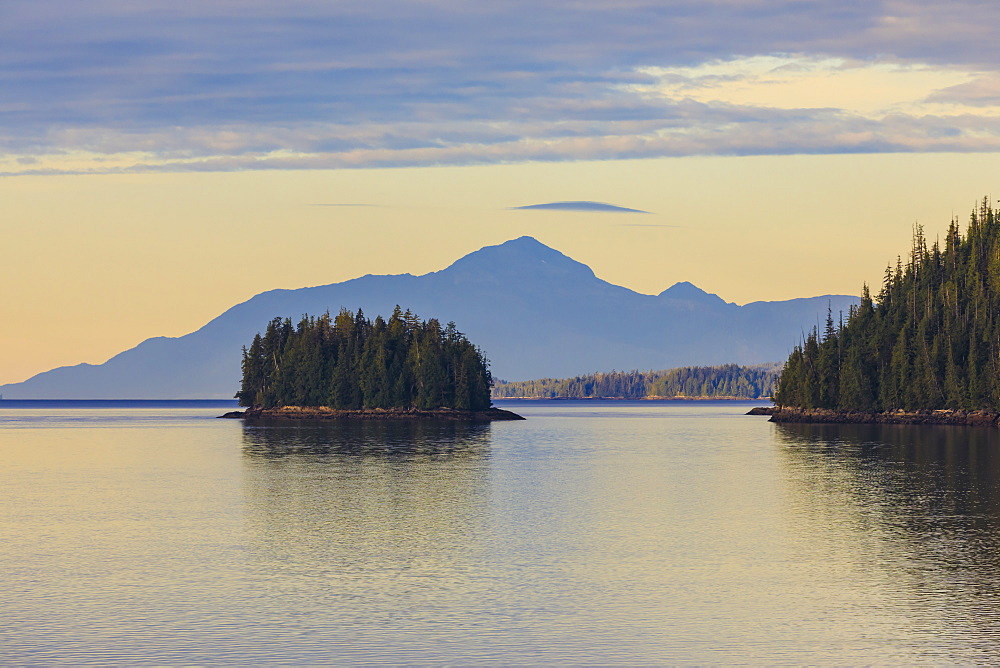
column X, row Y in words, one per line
column 962, row 418
column 651, row 397
column 325, row 413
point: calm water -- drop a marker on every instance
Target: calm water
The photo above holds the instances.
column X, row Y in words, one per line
column 590, row 533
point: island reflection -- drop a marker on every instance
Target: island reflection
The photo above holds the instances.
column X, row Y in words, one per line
column 393, row 439
column 919, row 504
column 945, row 472
column 368, row 511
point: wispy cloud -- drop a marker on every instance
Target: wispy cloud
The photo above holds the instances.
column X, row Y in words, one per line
column 107, row 86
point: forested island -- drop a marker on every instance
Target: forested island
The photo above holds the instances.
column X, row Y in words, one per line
column 925, row 349
column 348, row 366
column 728, row 381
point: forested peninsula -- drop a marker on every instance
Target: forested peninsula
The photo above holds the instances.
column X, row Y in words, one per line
column 728, row 381
column 348, row 366
column 925, row 349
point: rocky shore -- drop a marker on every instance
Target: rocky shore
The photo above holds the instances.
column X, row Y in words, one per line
column 324, row 413
column 932, row 417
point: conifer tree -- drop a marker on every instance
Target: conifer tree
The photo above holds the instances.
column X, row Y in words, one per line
column 350, row 362
column 929, row 339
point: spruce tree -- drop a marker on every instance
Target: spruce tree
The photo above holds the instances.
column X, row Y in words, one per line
column 350, row 362
column 929, row 339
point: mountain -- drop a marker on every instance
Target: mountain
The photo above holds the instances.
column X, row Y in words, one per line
column 534, row 311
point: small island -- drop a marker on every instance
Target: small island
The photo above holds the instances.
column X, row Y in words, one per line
column 924, row 350
column 349, row 367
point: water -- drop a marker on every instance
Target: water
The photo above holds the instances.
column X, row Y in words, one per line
column 593, row 532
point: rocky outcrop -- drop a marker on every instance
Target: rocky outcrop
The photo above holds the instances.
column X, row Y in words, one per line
column 325, row 413
column 932, row 417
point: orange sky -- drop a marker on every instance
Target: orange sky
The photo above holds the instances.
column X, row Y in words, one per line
column 92, row 265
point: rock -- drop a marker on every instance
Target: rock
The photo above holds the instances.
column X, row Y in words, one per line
column 899, row 416
column 326, row 413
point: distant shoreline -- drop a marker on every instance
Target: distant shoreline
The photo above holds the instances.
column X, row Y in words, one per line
column 648, row 398
column 928, row 417
column 325, row 413
column 117, row 403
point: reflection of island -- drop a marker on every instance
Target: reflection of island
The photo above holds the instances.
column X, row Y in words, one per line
column 369, row 512
column 955, row 470
column 918, row 504
column 320, row 441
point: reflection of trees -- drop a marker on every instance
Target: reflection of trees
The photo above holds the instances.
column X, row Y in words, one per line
column 392, row 439
column 371, row 509
column 930, row 494
column 923, row 478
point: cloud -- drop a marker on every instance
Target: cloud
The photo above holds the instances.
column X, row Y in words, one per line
column 108, row 86
column 866, row 88
column 983, row 91
column 598, row 207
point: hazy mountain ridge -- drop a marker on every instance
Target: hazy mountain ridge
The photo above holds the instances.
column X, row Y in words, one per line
column 533, row 310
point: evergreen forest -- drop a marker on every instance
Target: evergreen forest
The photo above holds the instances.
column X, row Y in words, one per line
column 350, row 362
column 728, row 381
column 930, row 338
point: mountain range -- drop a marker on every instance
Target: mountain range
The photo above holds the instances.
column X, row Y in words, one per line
column 534, row 311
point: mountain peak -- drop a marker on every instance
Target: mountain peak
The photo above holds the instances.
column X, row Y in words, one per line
column 687, row 291
column 524, row 257
column 525, row 244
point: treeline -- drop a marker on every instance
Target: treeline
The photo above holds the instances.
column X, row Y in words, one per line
column 350, row 362
column 729, row 381
column 930, row 339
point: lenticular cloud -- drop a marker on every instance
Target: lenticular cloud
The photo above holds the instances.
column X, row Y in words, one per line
column 599, row 207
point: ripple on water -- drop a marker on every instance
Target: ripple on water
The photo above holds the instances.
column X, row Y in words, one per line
column 599, row 533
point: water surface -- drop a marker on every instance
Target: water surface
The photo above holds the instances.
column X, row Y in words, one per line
column 593, row 532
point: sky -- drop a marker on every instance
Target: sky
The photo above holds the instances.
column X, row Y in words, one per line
column 163, row 161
